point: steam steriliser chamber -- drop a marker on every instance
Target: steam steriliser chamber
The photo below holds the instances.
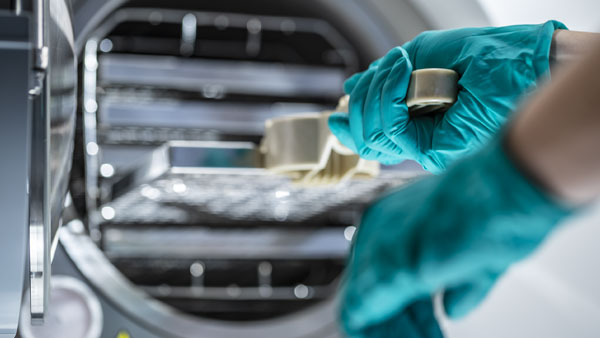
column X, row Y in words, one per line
column 170, row 222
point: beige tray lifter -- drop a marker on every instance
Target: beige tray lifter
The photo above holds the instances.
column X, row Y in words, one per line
column 302, row 146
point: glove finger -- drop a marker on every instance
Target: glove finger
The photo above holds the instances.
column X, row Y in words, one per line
column 462, row 133
column 397, row 326
column 373, row 133
column 394, row 115
column 355, row 107
column 415, row 321
column 339, row 124
column 376, row 63
column 461, row 300
column 411, row 47
column 423, row 316
column 351, row 82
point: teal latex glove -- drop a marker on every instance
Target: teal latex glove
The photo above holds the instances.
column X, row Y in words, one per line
column 456, row 232
column 496, row 66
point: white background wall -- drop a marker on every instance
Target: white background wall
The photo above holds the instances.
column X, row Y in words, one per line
column 553, row 294
column 581, row 15
column 576, row 14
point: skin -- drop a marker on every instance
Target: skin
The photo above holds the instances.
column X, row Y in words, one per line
column 570, row 46
column 556, row 136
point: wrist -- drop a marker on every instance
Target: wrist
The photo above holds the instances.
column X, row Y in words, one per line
column 532, row 159
column 569, row 46
column 543, row 52
column 555, row 134
column 517, row 188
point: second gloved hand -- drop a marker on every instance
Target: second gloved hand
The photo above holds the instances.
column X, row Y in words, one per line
column 456, row 232
column 496, row 67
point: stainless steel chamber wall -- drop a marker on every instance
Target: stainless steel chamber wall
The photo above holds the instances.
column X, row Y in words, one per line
column 173, row 99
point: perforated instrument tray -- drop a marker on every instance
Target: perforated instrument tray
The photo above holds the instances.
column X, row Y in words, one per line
column 224, row 182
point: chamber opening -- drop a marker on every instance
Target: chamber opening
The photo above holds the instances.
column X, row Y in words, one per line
column 237, row 245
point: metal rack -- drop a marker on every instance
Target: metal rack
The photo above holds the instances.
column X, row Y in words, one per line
column 218, row 78
column 194, row 224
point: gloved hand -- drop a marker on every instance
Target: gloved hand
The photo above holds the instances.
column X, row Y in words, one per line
column 455, row 232
column 496, row 66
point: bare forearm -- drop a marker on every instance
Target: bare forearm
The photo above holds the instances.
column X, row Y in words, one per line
column 570, row 46
column 556, row 137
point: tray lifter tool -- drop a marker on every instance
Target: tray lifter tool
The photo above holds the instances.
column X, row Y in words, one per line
column 302, row 147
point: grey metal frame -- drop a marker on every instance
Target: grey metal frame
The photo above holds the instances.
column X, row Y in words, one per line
column 217, row 78
column 27, row 75
column 39, row 206
column 15, row 66
column 314, row 322
column 293, row 244
column 61, row 285
column 243, row 21
column 391, row 32
column 90, row 109
column 39, row 176
column 24, row 57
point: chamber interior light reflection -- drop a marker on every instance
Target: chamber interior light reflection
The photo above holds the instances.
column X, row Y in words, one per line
column 107, row 170
column 107, row 213
column 92, row 148
column 349, row 232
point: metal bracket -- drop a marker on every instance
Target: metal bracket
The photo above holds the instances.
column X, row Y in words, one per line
column 40, row 51
column 39, row 180
column 39, row 210
column 40, row 59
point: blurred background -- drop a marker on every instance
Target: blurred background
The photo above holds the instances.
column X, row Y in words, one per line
column 162, row 240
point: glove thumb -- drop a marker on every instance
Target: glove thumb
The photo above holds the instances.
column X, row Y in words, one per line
column 339, row 124
column 461, row 300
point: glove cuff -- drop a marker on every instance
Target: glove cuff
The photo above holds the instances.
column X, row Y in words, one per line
column 517, row 206
column 541, row 52
column 498, row 159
